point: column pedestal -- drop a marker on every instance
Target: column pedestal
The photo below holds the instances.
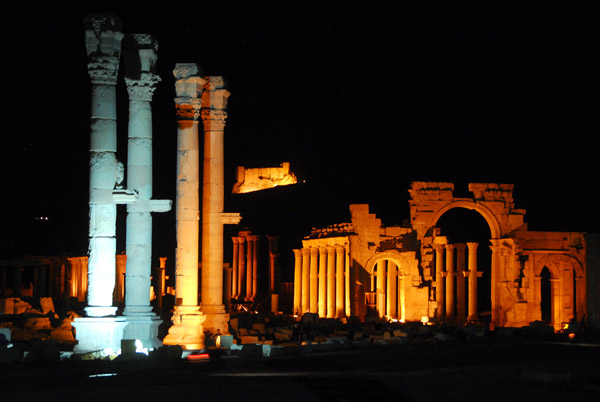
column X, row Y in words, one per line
column 98, row 333
column 187, row 330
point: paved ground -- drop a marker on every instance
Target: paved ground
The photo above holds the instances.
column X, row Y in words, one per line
column 487, row 370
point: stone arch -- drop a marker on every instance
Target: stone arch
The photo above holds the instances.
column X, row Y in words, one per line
column 388, row 297
column 485, row 212
column 568, row 288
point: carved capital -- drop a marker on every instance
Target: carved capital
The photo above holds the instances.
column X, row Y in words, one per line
column 103, row 46
column 214, row 120
column 187, row 109
column 143, row 88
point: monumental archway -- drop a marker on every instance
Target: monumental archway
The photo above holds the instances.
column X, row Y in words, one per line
column 494, row 202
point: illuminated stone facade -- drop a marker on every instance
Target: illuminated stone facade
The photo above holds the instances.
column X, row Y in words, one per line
column 408, row 273
column 248, row 180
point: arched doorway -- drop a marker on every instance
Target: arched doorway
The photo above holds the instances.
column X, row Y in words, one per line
column 461, row 225
column 560, row 288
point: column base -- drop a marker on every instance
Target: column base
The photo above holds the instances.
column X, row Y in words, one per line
column 187, row 330
column 144, row 328
column 216, row 319
column 100, row 311
column 98, row 333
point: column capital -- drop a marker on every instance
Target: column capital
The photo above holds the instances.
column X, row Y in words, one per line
column 472, row 246
column 313, row 250
column 449, row 247
column 297, row 252
column 188, row 90
column 143, row 88
column 439, row 248
column 103, row 46
column 305, row 251
column 214, row 103
column 322, row 250
column 139, row 55
column 235, row 239
column 340, row 249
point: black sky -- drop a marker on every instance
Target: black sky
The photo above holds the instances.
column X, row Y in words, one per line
column 361, row 100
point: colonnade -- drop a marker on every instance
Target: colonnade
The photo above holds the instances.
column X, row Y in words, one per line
column 388, row 284
column 244, row 279
column 450, row 303
column 321, row 281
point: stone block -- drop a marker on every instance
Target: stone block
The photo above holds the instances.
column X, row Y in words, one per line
column 242, row 332
column 47, row 305
column 258, row 326
column 246, row 339
column 38, row 323
column 7, row 306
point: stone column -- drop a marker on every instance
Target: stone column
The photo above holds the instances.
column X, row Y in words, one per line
column 160, row 282
column 314, row 280
column 391, row 298
column 461, row 306
column 297, row 282
column 330, row 282
column 340, row 260
column 322, row 282
column 274, row 272
column 401, row 298
column 305, row 280
column 472, row 274
column 235, row 267
column 241, row 268
column 254, row 267
column 103, row 43
column 140, row 51
column 214, row 105
column 381, row 276
column 98, row 330
column 187, row 319
column 349, row 283
column 439, row 280
column 249, row 267
column 450, row 281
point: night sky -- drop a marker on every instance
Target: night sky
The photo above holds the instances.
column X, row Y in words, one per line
column 361, row 100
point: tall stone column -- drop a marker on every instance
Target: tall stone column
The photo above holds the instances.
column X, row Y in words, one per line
column 401, row 298
column 100, row 329
column 235, row 267
column 254, row 267
column 381, row 276
column 322, row 281
column 140, row 51
column 214, row 105
column 241, row 268
column 461, row 306
column 350, row 288
column 472, row 274
column 439, row 280
column 450, row 281
column 249, row 267
column 392, row 282
column 274, row 272
column 314, row 280
column 187, row 319
column 305, row 280
column 340, row 260
column 330, row 282
column 297, row 282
